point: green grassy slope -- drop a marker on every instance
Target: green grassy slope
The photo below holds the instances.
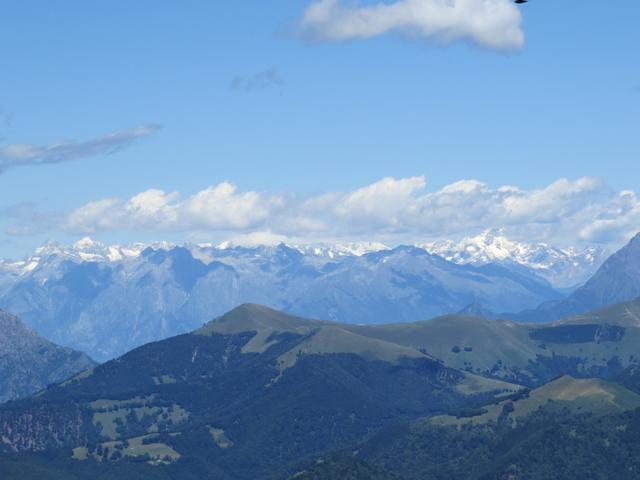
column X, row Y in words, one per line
column 594, row 395
column 599, row 344
column 206, row 397
column 569, row 429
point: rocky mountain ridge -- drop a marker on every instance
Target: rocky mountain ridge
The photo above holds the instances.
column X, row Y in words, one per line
column 562, row 267
column 108, row 300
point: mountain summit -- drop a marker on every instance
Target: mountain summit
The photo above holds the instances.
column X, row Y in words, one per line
column 563, row 268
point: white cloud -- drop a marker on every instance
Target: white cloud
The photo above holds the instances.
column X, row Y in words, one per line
column 18, row 155
column 494, row 24
column 217, row 208
column 381, row 204
column 561, row 199
column 616, row 221
column 565, row 212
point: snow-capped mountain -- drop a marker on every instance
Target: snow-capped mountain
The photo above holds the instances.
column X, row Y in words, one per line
column 563, row 268
column 617, row 281
column 90, row 250
column 106, row 300
column 84, row 250
column 342, row 249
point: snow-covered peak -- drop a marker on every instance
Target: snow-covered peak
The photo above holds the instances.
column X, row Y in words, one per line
column 317, row 250
column 83, row 250
column 227, row 244
column 18, row 268
column 49, row 248
column 356, row 249
column 562, row 267
column 488, row 246
column 87, row 243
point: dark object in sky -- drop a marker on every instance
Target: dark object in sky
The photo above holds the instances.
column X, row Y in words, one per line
column 522, row 1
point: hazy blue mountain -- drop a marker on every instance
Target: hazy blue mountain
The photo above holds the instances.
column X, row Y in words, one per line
column 616, row 281
column 29, row 363
column 106, row 300
column 408, row 283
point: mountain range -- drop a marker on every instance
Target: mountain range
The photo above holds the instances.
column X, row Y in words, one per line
column 106, row 300
column 257, row 393
column 616, row 281
column 564, row 268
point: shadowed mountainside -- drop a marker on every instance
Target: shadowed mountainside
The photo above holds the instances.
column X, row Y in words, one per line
column 616, row 281
column 29, row 363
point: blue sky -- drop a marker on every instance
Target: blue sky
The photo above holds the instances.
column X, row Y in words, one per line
column 242, row 96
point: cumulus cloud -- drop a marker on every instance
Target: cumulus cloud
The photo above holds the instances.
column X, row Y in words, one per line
column 19, row 155
column 615, row 221
column 216, row 208
column 404, row 210
column 494, row 24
